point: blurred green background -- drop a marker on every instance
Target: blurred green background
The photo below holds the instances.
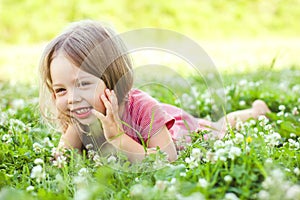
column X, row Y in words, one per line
column 237, row 34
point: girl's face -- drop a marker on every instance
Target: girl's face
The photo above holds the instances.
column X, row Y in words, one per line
column 76, row 92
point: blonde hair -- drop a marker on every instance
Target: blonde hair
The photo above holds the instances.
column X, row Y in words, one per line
column 96, row 49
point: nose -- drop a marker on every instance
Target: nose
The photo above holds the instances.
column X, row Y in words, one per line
column 74, row 97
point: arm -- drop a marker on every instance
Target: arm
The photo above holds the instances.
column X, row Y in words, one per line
column 136, row 152
column 70, row 139
column 115, row 135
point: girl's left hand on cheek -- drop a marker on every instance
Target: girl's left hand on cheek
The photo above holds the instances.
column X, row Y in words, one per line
column 111, row 122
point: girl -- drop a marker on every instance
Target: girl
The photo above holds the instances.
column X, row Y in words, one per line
column 87, row 78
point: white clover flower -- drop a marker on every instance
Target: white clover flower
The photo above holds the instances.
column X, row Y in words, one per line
column 196, row 153
column 202, row 182
column 234, row 152
column 80, row 181
column 173, row 181
column 137, row 190
column 82, row 194
column 7, row 138
column 297, row 171
column 228, row 178
column 38, row 161
column 239, row 138
column 263, row 120
column 161, row 185
column 273, row 139
column 230, row 196
column 268, row 127
column 221, row 154
column 37, row 147
column 37, row 173
column 29, row 188
column 83, row 172
column 47, row 142
column 218, row 144
column 293, row 192
column 269, row 161
column 183, row 174
column 242, row 103
column 3, row 118
column 111, row 159
column 263, row 195
column 89, row 146
column 281, row 107
column 293, row 144
column 97, row 160
column 293, row 135
column 18, row 104
column 279, row 114
column 211, row 157
column 60, row 161
column 295, row 111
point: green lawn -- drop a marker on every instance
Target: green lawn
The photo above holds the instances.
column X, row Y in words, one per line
column 257, row 160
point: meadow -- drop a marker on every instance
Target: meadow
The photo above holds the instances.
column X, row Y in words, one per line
column 254, row 45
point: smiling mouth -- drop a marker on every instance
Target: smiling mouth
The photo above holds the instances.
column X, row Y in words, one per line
column 82, row 112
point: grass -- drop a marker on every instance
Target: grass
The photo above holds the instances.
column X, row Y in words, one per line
column 257, row 159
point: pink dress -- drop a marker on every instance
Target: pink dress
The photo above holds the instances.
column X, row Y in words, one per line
column 144, row 116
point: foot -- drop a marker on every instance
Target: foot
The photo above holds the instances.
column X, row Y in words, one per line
column 260, row 108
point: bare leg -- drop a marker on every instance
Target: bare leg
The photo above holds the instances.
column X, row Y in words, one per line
column 259, row 107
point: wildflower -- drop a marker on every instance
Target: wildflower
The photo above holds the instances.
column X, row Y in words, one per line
column 293, row 135
column 268, row 127
column 295, row 111
column 218, row 144
column 293, row 192
column 111, row 159
column 83, row 172
column 60, row 161
column 18, row 104
column 202, row 182
column 242, row 103
column 37, row 173
column 37, row 147
column 211, row 157
column 228, row 178
column 183, row 174
column 230, row 196
column 239, row 138
column 263, row 195
column 47, row 142
column 249, row 139
column 221, row 154
column 29, row 188
column 263, row 120
column 89, row 146
column 38, row 161
column 294, row 144
column 297, row 171
column 281, row 107
column 196, row 154
column 161, row 185
column 234, row 152
column 273, row 139
column 7, row 138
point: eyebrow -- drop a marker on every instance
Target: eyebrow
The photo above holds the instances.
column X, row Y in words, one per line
column 76, row 80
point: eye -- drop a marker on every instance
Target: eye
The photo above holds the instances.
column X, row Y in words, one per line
column 59, row 91
column 84, row 83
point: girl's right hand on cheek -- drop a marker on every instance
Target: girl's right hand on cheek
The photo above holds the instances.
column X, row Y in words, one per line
column 111, row 122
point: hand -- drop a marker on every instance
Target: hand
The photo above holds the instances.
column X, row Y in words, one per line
column 111, row 122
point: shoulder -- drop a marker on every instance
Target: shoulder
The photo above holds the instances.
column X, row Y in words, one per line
column 138, row 99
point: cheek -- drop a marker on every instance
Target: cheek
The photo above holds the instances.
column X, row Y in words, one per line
column 61, row 103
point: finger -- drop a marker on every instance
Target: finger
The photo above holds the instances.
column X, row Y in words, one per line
column 108, row 94
column 106, row 102
column 99, row 115
column 114, row 102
